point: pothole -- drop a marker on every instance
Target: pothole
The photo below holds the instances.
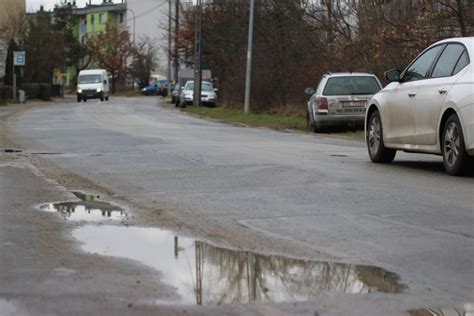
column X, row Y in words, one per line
column 12, row 150
column 88, row 209
column 207, row 275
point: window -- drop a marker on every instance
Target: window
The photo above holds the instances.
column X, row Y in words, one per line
column 419, row 69
column 101, row 18
column 121, row 17
column 85, row 79
column 92, row 19
column 447, row 61
column 351, row 85
column 462, row 62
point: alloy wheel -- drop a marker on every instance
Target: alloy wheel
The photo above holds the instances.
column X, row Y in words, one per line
column 451, row 144
column 374, row 135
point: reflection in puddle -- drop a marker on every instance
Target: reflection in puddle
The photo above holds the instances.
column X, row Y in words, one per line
column 203, row 274
column 88, row 209
column 466, row 310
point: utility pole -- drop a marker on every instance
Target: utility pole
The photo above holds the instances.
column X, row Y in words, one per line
column 198, row 55
column 169, row 47
column 249, row 59
column 176, row 39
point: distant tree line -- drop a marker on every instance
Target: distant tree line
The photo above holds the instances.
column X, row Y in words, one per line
column 296, row 41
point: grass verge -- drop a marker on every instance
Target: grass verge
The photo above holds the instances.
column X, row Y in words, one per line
column 4, row 102
column 275, row 121
column 253, row 119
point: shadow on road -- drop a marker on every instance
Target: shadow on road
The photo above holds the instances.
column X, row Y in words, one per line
column 431, row 166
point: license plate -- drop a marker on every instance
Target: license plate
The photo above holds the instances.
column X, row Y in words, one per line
column 355, row 110
column 353, row 103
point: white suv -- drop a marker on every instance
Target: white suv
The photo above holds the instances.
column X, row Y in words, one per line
column 427, row 108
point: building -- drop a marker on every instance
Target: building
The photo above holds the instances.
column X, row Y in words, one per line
column 90, row 20
column 93, row 18
column 12, row 14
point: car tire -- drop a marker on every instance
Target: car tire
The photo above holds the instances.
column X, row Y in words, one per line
column 456, row 160
column 102, row 99
column 85, row 99
column 78, row 99
column 107, row 98
column 378, row 153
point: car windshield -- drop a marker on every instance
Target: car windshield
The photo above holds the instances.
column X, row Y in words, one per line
column 89, row 79
column 204, row 87
column 351, row 85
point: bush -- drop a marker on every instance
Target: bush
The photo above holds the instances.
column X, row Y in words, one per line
column 45, row 91
column 37, row 90
column 5, row 92
column 32, row 90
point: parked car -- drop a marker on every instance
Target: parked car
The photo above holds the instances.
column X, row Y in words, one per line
column 340, row 99
column 156, row 89
column 92, row 84
column 175, row 93
column 150, row 90
column 427, row 108
column 208, row 94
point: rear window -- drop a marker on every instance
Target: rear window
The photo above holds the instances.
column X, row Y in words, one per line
column 351, row 85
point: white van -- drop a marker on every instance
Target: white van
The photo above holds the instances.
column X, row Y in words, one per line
column 92, row 84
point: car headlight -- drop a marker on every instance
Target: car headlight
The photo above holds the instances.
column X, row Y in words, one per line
column 99, row 90
column 79, row 90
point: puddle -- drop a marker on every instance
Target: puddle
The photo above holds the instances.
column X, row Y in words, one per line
column 206, row 275
column 466, row 310
column 88, row 209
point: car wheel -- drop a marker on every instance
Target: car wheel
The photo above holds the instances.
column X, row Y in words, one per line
column 107, row 98
column 78, row 99
column 374, row 136
column 85, row 99
column 102, row 99
column 455, row 158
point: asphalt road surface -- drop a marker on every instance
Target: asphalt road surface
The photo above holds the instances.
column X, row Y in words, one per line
column 286, row 194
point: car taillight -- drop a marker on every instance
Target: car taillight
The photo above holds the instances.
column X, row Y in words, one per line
column 322, row 103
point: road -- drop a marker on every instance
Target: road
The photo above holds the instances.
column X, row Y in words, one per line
column 273, row 193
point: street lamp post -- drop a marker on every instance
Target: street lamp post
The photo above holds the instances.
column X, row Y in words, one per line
column 198, row 56
column 249, row 59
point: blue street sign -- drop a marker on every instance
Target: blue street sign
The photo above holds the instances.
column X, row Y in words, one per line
column 19, row 58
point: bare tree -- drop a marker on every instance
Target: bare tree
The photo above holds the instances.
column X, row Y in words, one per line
column 144, row 61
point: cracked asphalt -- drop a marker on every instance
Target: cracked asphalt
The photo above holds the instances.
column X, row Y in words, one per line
column 275, row 193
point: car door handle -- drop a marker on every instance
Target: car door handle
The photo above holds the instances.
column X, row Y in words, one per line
column 412, row 94
column 443, row 91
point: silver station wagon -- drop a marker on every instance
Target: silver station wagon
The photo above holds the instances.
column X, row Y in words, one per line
column 340, row 100
column 428, row 108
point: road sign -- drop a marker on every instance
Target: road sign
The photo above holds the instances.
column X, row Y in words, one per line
column 19, row 58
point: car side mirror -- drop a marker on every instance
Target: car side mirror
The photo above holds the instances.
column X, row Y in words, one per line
column 392, row 75
column 309, row 91
column 105, row 81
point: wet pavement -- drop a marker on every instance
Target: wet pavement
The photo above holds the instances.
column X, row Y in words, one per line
column 297, row 195
column 203, row 274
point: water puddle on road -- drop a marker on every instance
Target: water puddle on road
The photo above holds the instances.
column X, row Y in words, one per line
column 466, row 310
column 88, row 209
column 207, row 275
